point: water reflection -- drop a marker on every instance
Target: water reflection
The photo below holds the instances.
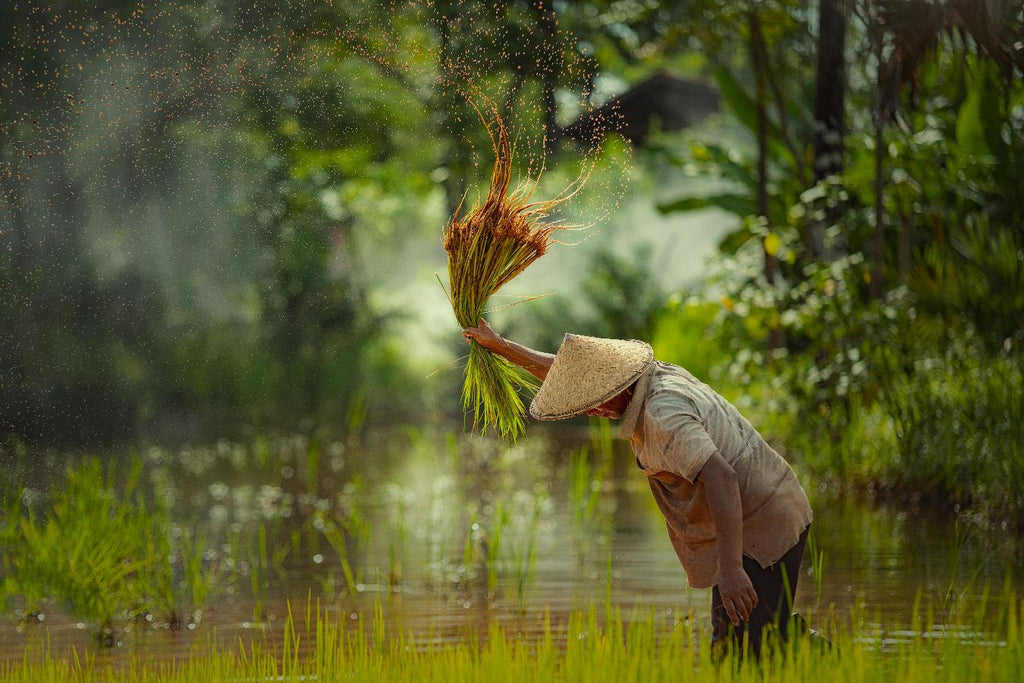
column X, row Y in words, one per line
column 445, row 534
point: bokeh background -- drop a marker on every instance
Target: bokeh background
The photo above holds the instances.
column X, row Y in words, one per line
column 220, row 235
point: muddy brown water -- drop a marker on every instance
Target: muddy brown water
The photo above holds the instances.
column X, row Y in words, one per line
column 445, row 534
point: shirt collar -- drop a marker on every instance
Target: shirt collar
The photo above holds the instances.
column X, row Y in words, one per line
column 632, row 414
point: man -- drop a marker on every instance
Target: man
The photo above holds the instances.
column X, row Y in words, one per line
column 735, row 511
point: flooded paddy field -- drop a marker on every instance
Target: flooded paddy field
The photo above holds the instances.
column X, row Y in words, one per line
column 433, row 538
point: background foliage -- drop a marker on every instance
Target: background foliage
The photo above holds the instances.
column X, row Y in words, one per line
column 217, row 217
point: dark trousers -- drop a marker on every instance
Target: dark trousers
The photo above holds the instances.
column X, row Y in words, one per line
column 776, row 589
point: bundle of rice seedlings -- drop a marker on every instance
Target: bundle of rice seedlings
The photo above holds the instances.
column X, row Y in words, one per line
column 487, row 247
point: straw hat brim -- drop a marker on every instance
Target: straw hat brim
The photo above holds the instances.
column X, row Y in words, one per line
column 586, row 372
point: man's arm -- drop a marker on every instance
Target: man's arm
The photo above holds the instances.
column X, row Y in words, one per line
column 534, row 362
column 738, row 595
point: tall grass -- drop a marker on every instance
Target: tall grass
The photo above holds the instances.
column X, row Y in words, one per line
column 588, row 646
column 959, row 425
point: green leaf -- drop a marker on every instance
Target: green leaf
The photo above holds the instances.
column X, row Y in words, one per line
column 979, row 120
column 731, row 243
column 736, row 98
column 739, row 204
column 684, row 204
column 744, row 106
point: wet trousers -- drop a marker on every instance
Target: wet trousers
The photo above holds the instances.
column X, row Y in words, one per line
column 776, row 588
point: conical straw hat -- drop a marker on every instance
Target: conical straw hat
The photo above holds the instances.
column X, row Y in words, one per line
column 586, row 372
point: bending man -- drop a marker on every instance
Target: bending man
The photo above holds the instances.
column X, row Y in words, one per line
column 736, row 514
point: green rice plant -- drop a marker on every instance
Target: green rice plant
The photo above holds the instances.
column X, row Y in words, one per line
column 281, row 548
column 160, row 575
column 259, row 565
column 588, row 645
column 311, row 469
column 510, row 547
column 261, row 452
column 487, row 247
column 817, row 558
column 470, row 548
column 442, row 531
column 355, row 415
column 181, row 581
column 99, row 553
column 586, row 478
column 523, row 555
column 492, row 543
column 583, row 495
column 347, row 531
column 199, row 577
column 589, row 467
column 15, row 583
column 256, row 554
column 398, row 536
column 335, row 536
column 602, row 439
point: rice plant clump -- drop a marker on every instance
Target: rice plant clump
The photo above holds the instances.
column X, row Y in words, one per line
column 487, row 247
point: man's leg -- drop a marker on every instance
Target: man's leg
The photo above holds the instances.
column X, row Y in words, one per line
column 776, row 589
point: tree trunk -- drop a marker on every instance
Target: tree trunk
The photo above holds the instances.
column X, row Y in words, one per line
column 829, row 104
column 903, row 257
column 550, row 67
column 18, row 329
column 878, row 237
column 758, row 56
column 456, row 161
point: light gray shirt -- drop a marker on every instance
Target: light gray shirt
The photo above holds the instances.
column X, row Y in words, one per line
column 675, row 423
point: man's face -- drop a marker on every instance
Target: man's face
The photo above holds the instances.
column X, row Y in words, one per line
column 613, row 408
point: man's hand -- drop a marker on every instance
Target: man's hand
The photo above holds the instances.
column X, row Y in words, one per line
column 534, row 362
column 738, row 595
column 484, row 335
